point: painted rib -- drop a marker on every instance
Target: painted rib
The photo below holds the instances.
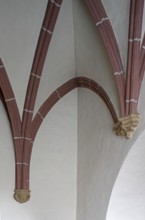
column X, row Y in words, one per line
column 47, row 29
column 133, row 62
column 13, row 115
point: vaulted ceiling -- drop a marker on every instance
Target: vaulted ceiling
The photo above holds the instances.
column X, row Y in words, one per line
column 88, row 46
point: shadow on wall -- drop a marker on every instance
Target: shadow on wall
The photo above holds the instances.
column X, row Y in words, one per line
column 128, row 195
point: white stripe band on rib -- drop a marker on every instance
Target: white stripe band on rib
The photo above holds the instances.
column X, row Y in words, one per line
column 1, row 66
column 58, row 94
column 48, row 31
column 26, row 138
column 17, row 138
column 18, row 163
column 102, row 20
column 118, row 73
column 41, row 116
column 20, row 138
column 143, row 47
column 26, row 164
column 134, row 39
column 9, row 100
column 37, row 76
column 29, row 111
column 131, row 100
column 58, row 5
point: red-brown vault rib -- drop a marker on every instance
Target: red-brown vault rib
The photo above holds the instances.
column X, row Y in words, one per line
column 47, row 29
column 38, row 62
column 14, row 118
column 104, row 26
column 134, row 55
column 129, row 60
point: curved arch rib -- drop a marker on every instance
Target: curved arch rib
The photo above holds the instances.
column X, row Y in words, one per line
column 49, row 103
column 104, row 26
column 83, row 82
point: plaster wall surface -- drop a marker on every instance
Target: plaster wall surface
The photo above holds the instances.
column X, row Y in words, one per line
column 128, row 196
column 100, row 155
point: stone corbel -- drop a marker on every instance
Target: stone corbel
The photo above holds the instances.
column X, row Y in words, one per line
column 21, row 195
column 127, row 125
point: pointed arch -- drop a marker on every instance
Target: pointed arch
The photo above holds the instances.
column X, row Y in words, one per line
column 76, row 82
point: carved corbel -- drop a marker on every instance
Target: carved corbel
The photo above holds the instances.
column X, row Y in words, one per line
column 21, row 195
column 127, row 125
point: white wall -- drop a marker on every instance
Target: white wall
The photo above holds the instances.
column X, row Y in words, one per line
column 128, row 195
column 100, row 154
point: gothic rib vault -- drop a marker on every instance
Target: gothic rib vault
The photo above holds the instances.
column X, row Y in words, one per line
column 24, row 131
